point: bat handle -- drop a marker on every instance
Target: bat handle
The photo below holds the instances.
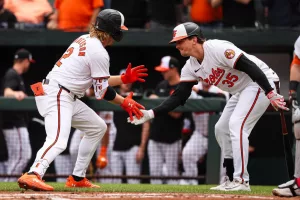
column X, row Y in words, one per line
column 283, row 123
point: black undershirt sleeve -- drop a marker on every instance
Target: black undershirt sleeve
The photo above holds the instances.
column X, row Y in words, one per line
column 110, row 94
column 255, row 73
column 178, row 97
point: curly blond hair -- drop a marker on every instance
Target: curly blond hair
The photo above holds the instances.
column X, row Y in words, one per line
column 101, row 35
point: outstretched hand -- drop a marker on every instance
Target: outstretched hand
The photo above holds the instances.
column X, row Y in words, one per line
column 134, row 74
column 132, row 107
column 147, row 115
column 277, row 101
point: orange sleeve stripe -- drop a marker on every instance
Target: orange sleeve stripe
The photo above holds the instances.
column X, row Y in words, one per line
column 296, row 60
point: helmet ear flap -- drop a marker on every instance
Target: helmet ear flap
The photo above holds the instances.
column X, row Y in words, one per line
column 117, row 36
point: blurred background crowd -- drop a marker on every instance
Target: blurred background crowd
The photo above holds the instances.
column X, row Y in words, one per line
column 77, row 15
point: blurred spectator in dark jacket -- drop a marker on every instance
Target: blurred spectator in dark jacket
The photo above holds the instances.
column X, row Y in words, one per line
column 164, row 13
column 135, row 12
column 202, row 13
column 74, row 15
column 29, row 11
column 7, row 18
column 283, row 13
column 236, row 13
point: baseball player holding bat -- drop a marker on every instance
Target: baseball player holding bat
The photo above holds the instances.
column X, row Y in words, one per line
column 292, row 187
column 247, row 78
column 85, row 63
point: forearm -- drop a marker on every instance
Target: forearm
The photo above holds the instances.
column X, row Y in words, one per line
column 117, row 100
column 9, row 92
column 145, row 134
column 294, row 78
column 178, row 97
column 295, row 72
column 115, row 81
column 105, row 139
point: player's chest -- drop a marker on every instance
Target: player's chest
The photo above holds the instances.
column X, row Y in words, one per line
column 218, row 75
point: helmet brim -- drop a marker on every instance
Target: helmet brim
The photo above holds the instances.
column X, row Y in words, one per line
column 175, row 39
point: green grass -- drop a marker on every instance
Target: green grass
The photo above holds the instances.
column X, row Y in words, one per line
column 203, row 189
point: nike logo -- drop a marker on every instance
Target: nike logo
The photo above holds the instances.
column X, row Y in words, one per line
column 197, row 70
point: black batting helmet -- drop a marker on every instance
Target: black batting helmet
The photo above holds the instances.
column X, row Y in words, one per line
column 185, row 30
column 112, row 22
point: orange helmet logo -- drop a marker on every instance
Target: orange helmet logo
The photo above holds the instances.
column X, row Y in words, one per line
column 174, row 33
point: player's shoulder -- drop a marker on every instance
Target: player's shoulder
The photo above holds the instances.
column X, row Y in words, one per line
column 215, row 43
column 95, row 47
column 11, row 73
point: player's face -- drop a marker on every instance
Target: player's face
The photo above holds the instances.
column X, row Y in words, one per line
column 110, row 41
column 26, row 64
column 168, row 75
column 184, row 46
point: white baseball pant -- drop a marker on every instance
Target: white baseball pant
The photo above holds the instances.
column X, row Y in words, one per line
column 128, row 157
column 108, row 169
column 61, row 111
column 297, row 153
column 196, row 147
column 19, row 150
column 160, row 153
column 232, row 130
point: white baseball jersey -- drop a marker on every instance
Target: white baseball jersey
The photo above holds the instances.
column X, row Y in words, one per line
column 218, row 67
column 84, row 62
column 297, row 47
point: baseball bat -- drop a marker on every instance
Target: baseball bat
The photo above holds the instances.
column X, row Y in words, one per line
column 286, row 142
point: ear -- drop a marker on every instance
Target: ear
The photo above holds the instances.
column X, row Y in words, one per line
column 195, row 40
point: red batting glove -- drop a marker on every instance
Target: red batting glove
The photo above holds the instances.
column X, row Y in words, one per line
column 102, row 159
column 131, row 106
column 134, row 74
column 276, row 100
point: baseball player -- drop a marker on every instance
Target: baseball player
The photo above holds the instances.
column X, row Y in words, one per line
column 292, row 187
column 64, row 163
column 104, row 152
column 196, row 147
column 165, row 138
column 129, row 145
column 15, row 123
column 248, row 79
column 85, row 63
